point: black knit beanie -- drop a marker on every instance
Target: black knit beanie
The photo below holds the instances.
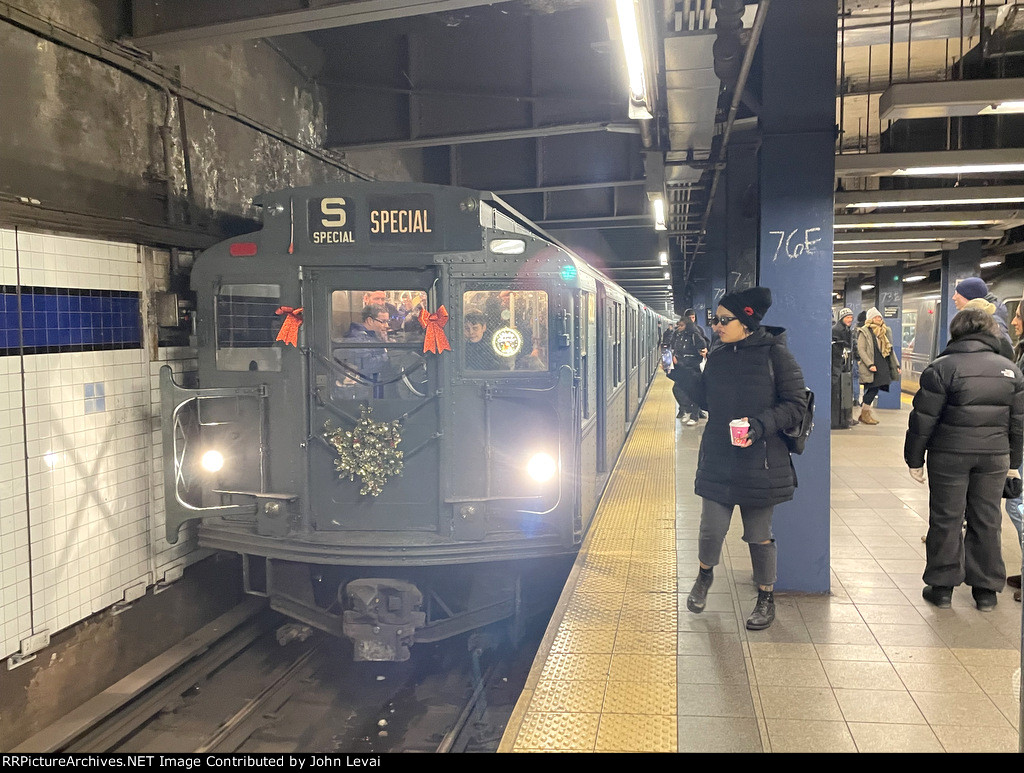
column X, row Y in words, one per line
column 749, row 305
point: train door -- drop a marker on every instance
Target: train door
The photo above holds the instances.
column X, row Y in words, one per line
column 373, row 392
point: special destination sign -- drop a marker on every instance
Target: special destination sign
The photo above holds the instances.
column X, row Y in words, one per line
column 390, row 220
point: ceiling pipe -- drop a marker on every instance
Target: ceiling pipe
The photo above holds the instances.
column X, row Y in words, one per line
column 737, row 95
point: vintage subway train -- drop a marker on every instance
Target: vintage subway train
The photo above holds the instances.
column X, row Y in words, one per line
column 389, row 475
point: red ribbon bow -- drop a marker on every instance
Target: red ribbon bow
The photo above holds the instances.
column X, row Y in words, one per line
column 435, row 340
column 289, row 332
column 748, row 311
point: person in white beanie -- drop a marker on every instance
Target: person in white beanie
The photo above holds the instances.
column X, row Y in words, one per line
column 876, row 361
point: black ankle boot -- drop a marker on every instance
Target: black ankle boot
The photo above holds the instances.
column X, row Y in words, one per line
column 939, row 595
column 764, row 611
column 698, row 597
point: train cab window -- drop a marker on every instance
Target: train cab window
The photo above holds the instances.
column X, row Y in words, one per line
column 247, row 327
column 505, row 330
column 376, row 342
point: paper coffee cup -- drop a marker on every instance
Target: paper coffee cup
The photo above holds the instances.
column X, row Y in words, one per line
column 738, row 430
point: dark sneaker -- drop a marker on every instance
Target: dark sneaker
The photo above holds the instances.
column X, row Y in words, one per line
column 764, row 611
column 698, row 597
column 939, row 595
column 985, row 600
column 1013, row 581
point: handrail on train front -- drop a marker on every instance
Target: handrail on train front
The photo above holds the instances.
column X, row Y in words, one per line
column 173, row 405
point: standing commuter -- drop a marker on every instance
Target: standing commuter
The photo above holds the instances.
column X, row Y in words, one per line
column 974, row 287
column 1005, row 342
column 876, row 361
column 968, row 424
column 842, row 369
column 689, row 347
column 750, row 375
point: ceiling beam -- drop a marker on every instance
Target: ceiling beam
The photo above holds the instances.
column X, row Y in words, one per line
column 495, row 136
column 573, row 187
column 931, row 197
column 154, row 32
column 903, row 163
column 924, row 234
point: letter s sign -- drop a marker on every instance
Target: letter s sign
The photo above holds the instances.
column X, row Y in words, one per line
column 334, row 209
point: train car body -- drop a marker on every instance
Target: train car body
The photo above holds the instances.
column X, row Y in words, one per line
column 402, row 477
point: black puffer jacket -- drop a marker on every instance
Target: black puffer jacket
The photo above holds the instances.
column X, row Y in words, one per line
column 971, row 401
column 736, row 382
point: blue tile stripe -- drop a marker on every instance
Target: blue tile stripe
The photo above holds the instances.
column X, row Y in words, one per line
column 59, row 319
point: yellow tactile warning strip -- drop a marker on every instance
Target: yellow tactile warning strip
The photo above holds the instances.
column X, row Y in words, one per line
column 605, row 676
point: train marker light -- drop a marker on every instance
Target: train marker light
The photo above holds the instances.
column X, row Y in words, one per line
column 242, row 249
column 212, row 461
column 541, row 467
column 568, row 272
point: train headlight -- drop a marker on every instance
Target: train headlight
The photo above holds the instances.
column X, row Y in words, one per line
column 541, row 467
column 212, row 461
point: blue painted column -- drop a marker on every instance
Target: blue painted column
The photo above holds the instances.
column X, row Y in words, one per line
column 889, row 292
column 796, row 185
column 852, row 297
column 957, row 264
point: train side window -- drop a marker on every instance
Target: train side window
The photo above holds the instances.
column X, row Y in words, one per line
column 376, row 343
column 505, row 330
column 247, row 327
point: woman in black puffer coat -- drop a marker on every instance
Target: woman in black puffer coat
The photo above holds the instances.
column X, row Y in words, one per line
column 749, row 374
column 968, row 419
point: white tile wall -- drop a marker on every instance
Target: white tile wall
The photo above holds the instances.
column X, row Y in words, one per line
column 81, row 501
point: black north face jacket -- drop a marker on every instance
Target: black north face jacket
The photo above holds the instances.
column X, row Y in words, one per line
column 971, row 401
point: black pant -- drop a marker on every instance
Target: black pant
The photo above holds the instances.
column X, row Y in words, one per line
column 959, row 483
column 683, row 399
column 870, row 393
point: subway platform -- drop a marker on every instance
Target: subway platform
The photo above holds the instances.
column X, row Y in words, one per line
column 870, row 667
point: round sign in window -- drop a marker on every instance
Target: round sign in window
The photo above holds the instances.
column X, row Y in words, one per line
column 507, row 342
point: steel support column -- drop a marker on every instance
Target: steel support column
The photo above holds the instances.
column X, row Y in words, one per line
column 797, row 180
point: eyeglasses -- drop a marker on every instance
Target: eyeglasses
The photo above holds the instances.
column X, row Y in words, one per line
column 723, row 320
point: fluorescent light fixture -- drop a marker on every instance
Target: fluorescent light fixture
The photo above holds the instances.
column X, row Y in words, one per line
column 663, row 258
column 931, row 197
column 934, row 162
column 946, row 99
column 659, row 213
column 915, row 278
column 1009, row 106
column 991, row 263
column 1005, row 218
column 867, row 287
column 629, row 31
column 955, row 169
column 934, row 235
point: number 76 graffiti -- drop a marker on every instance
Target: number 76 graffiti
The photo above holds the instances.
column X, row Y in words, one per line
column 795, row 246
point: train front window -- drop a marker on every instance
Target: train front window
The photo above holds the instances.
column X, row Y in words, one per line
column 247, row 326
column 377, row 344
column 505, row 330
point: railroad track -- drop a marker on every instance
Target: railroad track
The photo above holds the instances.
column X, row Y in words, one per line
column 231, row 687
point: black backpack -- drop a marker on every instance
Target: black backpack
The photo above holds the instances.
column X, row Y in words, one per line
column 796, row 436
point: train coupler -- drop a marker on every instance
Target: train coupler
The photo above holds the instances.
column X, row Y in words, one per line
column 381, row 617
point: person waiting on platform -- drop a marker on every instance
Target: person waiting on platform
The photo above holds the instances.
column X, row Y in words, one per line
column 974, row 287
column 689, row 347
column 752, row 376
column 479, row 354
column 968, row 425
column 876, row 361
column 1005, row 342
